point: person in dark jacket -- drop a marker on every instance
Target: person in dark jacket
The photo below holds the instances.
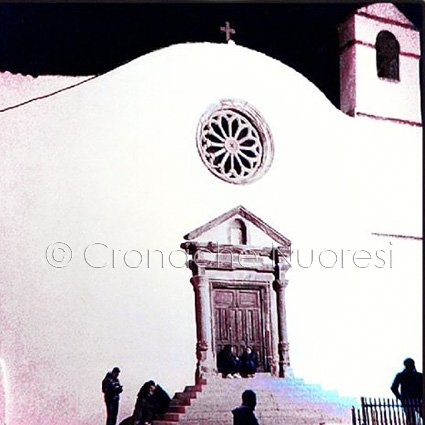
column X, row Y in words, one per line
column 407, row 387
column 227, row 363
column 249, row 363
column 112, row 389
column 152, row 401
column 244, row 414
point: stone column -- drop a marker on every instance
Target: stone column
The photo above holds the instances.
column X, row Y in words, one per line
column 204, row 353
column 279, row 286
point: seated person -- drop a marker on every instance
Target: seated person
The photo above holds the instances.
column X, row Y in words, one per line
column 249, row 363
column 152, row 401
column 227, row 363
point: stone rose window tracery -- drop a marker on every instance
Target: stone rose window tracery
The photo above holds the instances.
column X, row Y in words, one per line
column 235, row 142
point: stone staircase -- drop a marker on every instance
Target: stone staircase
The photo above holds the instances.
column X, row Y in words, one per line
column 288, row 401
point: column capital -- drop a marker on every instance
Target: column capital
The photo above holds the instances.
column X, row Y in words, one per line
column 197, row 270
column 284, row 266
column 280, row 284
column 283, row 346
column 199, row 281
column 280, row 270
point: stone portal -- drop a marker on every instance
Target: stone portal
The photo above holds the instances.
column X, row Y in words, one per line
column 238, row 265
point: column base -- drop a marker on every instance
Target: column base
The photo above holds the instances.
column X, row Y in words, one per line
column 285, row 371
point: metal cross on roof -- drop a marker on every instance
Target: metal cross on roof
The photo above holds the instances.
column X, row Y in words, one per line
column 228, row 31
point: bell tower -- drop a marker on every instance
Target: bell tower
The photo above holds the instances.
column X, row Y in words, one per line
column 379, row 65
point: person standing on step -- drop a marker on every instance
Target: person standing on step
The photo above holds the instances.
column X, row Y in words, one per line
column 408, row 388
column 112, row 389
column 244, row 414
column 227, row 363
column 249, row 363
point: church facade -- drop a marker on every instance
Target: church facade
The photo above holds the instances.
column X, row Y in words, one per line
column 207, row 195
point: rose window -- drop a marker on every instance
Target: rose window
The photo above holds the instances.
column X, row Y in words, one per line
column 234, row 142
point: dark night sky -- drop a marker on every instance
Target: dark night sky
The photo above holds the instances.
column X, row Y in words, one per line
column 84, row 39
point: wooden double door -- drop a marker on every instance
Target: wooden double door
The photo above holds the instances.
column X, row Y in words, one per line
column 238, row 320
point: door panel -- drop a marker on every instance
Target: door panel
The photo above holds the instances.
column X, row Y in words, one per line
column 238, row 320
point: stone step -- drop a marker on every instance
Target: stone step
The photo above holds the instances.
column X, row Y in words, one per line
column 266, row 421
column 283, row 392
column 272, row 412
column 277, row 395
column 193, row 388
column 180, row 402
column 280, row 401
column 287, row 396
column 185, row 395
column 235, row 384
column 266, row 407
column 177, row 409
column 286, row 420
column 171, row 417
column 261, row 379
column 284, row 404
column 278, row 416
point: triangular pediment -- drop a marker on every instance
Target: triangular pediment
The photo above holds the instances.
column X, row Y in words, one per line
column 386, row 11
column 219, row 229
